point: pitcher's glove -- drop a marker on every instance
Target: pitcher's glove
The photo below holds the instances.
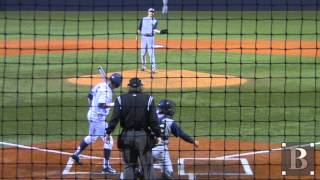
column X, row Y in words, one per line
column 164, row 31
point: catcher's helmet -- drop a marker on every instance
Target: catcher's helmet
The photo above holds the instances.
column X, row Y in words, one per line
column 167, row 107
column 115, row 79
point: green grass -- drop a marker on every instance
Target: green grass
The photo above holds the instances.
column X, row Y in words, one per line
column 280, row 101
column 216, row 24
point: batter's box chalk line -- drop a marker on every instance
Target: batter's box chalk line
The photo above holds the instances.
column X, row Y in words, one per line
column 244, row 162
column 67, row 169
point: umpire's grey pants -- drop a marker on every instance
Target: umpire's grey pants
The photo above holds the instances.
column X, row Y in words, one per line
column 134, row 147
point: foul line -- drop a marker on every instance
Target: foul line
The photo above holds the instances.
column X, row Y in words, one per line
column 69, row 164
column 262, row 152
column 47, row 150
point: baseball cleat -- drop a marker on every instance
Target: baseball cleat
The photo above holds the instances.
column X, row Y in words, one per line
column 76, row 159
column 138, row 173
column 143, row 68
column 109, row 170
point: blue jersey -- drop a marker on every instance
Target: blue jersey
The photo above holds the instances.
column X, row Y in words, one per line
column 148, row 25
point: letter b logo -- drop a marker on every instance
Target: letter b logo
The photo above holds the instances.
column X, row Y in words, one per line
column 297, row 159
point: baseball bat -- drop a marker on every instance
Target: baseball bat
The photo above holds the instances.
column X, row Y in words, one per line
column 103, row 74
column 105, row 78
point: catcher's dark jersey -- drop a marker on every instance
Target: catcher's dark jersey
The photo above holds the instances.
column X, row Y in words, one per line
column 168, row 126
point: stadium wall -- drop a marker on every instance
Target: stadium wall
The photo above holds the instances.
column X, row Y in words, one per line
column 174, row 5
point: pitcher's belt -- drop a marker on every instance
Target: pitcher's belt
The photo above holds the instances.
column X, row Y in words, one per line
column 147, row 35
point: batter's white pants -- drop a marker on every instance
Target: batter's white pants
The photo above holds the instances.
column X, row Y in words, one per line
column 97, row 126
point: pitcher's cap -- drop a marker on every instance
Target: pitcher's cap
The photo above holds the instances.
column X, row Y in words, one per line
column 150, row 10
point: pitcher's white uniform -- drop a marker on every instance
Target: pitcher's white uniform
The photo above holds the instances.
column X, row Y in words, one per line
column 147, row 27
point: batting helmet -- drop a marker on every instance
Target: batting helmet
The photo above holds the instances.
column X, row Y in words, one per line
column 116, row 79
column 167, row 107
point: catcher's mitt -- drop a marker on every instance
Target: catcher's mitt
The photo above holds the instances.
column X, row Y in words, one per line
column 164, row 31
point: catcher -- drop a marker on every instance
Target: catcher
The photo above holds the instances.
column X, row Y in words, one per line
column 165, row 111
column 147, row 28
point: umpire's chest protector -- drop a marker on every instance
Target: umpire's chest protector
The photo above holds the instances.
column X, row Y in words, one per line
column 134, row 110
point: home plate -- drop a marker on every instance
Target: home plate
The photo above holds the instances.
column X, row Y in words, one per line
column 158, row 46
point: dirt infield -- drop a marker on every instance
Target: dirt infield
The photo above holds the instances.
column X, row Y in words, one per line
column 266, row 47
column 51, row 161
column 168, row 79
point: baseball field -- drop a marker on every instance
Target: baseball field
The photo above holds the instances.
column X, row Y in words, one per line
column 244, row 82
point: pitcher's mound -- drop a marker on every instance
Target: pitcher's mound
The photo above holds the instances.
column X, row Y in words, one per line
column 167, row 79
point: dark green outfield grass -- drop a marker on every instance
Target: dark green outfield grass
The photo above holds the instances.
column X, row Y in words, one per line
column 216, row 24
column 279, row 103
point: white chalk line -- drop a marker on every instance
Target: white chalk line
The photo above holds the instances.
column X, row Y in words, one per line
column 47, row 150
column 244, row 161
column 191, row 176
column 158, row 46
column 68, row 167
column 69, row 164
column 246, row 166
column 262, row 152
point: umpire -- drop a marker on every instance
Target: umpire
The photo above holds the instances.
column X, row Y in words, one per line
column 137, row 115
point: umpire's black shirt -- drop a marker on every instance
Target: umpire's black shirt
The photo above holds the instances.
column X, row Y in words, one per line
column 136, row 111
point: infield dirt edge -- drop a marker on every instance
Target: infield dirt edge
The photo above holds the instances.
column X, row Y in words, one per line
column 166, row 79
